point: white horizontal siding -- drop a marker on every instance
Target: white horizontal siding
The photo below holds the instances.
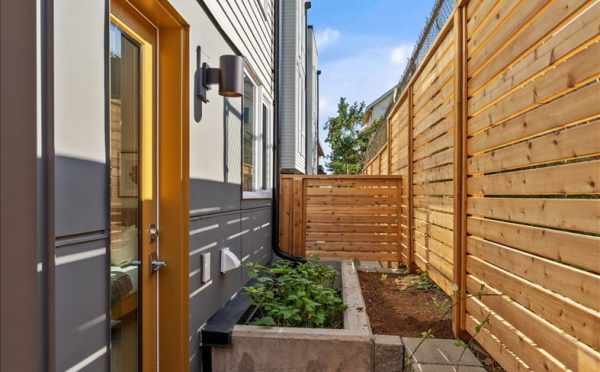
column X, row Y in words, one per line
column 292, row 83
column 250, row 28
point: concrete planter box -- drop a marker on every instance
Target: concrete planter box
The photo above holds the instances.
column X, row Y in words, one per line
column 353, row 348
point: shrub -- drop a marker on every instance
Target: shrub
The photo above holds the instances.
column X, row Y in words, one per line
column 296, row 295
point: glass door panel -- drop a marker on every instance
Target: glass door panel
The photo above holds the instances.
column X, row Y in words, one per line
column 125, row 214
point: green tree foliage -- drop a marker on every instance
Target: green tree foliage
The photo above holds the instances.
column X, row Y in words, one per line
column 347, row 138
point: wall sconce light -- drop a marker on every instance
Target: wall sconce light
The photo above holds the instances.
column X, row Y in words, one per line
column 229, row 76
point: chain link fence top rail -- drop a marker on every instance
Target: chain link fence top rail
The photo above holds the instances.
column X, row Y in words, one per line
column 438, row 17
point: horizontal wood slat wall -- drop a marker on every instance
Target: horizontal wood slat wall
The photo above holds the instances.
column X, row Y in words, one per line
column 502, row 131
column 533, row 186
column 350, row 217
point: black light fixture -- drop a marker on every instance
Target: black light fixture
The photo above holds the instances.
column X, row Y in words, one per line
column 229, row 76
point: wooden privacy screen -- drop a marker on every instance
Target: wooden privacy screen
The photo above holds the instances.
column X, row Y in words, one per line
column 379, row 164
column 498, row 138
column 534, row 179
column 433, row 118
column 352, row 217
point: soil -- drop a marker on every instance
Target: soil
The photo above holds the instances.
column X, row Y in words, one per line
column 408, row 305
column 397, row 307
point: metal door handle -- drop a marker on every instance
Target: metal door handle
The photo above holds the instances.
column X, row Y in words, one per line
column 158, row 264
column 155, row 263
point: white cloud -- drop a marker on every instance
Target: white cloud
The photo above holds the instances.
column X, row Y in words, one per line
column 363, row 76
column 327, row 37
column 401, row 54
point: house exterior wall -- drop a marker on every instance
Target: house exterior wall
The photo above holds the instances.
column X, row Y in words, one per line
column 312, row 103
column 292, row 86
column 81, row 190
column 219, row 215
column 378, row 109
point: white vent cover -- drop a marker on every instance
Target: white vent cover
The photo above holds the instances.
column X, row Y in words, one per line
column 229, row 261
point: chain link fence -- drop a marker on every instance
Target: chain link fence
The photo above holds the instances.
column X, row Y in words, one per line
column 442, row 10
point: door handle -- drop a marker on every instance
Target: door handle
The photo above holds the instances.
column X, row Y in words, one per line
column 156, row 263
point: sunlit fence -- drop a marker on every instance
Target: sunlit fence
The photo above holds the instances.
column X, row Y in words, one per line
column 497, row 133
column 345, row 217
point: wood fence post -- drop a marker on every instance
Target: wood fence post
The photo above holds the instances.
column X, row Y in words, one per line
column 460, row 94
column 399, row 203
column 302, row 243
column 410, row 234
column 389, row 145
column 297, row 213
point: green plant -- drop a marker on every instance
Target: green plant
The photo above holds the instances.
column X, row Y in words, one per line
column 423, row 282
column 296, row 295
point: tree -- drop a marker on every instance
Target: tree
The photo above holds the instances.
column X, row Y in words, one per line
column 347, row 138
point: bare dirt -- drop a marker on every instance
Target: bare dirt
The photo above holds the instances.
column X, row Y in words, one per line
column 410, row 305
column 396, row 306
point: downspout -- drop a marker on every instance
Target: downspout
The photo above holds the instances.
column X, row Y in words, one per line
column 307, row 6
column 276, row 138
column 318, row 118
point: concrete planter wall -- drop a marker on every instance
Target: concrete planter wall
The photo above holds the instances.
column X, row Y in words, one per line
column 354, row 348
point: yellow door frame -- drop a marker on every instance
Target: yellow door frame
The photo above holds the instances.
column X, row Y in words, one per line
column 172, row 114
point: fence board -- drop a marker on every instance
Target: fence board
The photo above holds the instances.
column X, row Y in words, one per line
column 572, row 318
column 579, row 285
column 498, row 137
column 336, row 217
column 574, row 178
column 571, row 143
column 578, row 250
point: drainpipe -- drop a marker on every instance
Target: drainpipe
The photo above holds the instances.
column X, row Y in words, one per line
column 318, row 111
column 307, row 6
column 276, row 138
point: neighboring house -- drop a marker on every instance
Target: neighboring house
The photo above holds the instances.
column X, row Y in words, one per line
column 378, row 108
column 145, row 196
column 312, row 103
column 292, row 85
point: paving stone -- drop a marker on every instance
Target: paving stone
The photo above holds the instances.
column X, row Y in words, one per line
column 445, row 368
column 388, row 353
column 439, row 352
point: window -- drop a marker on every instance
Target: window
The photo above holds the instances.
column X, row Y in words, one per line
column 257, row 143
column 248, row 166
column 266, row 151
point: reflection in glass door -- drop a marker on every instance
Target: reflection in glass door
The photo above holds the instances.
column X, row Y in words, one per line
column 125, row 214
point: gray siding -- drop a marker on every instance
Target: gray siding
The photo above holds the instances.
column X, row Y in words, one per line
column 312, row 104
column 219, row 216
column 80, row 186
column 292, row 85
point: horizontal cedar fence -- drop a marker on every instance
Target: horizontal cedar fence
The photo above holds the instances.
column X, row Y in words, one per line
column 497, row 135
column 349, row 217
column 378, row 165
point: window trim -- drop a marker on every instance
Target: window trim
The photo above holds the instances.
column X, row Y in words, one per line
column 257, row 156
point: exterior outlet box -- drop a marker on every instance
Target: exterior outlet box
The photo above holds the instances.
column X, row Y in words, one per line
column 205, row 268
column 229, row 261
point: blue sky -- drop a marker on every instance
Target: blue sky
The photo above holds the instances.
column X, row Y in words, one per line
column 363, row 46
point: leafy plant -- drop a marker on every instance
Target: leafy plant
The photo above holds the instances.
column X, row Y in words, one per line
column 296, row 295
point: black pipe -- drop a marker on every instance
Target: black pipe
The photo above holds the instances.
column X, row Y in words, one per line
column 318, row 116
column 276, row 173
